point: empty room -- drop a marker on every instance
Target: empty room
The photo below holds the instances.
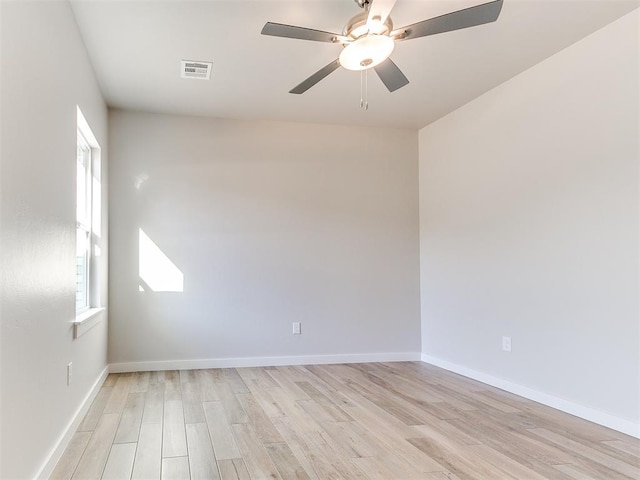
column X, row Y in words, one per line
column 319, row 239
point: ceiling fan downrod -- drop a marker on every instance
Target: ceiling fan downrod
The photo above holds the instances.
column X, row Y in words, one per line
column 363, row 4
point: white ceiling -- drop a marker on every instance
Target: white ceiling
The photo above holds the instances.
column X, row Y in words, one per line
column 136, row 48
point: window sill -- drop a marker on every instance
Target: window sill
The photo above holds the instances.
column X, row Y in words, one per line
column 87, row 320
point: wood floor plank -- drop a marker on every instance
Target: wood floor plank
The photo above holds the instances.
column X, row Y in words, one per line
column 440, row 476
column 111, row 379
column 284, row 403
column 71, row 456
column 453, row 400
column 348, row 471
column 256, row 459
column 315, row 411
column 148, row 460
column 262, row 425
column 390, row 440
column 129, row 427
column 119, row 394
column 96, row 410
column 206, row 385
column 172, row 386
column 385, row 469
column 336, row 413
column 140, row 382
column 156, row 377
column 174, row 439
column 493, row 403
column 95, row 455
column 504, row 463
column 153, row 411
column 575, row 472
column 232, row 408
column 324, row 374
column 505, row 397
column 454, row 458
column 234, row 380
column 624, row 447
column 233, row 469
column 187, row 376
column 526, row 450
column 216, row 375
column 368, row 413
column 192, row 403
column 224, row 444
column 175, row 468
column 632, row 447
column 384, row 421
column 120, row 462
column 404, row 382
column 559, row 422
column 303, row 449
column 317, row 449
column 258, row 376
column 406, row 411
column 289, row 386
column 266, row 401
column 594, row 470
column 345, row 436
column 202, row 461
column 286, row 462
column 612, row 464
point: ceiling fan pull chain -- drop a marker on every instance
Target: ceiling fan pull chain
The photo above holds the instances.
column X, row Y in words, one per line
column 366, row 89
column 361, row 89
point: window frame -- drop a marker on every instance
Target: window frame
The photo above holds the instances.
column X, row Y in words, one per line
column 91, row 312
column 84, row 225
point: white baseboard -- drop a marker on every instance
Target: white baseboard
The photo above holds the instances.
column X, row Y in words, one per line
column 65, row 438
column 262, row 361
column 596, row 416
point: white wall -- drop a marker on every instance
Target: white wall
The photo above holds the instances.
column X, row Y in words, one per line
column 529, row 228
column 45, row 73
column 269, row 223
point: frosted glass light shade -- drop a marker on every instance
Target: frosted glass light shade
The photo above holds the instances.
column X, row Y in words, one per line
column 366, row 52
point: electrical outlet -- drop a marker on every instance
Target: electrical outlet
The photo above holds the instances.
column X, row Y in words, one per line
column 69, row 372
column 297, row 328
column 506, row 344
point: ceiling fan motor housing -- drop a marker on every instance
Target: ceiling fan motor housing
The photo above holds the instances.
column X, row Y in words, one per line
column 359, row 26
column 363, row 3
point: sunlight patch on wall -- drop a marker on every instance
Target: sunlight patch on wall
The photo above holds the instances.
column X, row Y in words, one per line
column 157, row 272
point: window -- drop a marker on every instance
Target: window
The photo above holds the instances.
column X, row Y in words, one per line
column 88, row 221
column 83, row 223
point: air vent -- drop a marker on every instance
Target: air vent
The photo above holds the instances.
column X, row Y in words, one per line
column 199, row 70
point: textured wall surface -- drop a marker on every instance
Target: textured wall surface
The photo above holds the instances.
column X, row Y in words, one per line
column 45, row 75
column 529, row 227
column 268, row 223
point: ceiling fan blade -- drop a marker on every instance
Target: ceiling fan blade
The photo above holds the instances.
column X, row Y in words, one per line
column 381, row 9
column 315, row 78
column 469, row 17
column 302, row 33
column 391, row 75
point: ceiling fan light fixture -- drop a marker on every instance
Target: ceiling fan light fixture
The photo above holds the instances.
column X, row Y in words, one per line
column 366, row 52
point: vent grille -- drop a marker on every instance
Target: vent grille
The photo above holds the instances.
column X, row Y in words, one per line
column 198, row 70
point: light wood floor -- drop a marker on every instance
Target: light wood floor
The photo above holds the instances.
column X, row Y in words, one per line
column 363, row 421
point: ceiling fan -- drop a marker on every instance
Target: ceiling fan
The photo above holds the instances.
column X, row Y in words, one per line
column 369, row 38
